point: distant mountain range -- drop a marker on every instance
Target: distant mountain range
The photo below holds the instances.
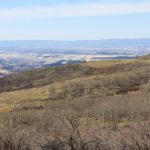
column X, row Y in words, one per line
column 80, row 43
column 89, row 46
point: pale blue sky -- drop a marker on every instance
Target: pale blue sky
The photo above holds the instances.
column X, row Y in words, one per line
column 74, row 19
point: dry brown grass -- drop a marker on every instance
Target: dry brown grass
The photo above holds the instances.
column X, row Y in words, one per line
column 105, row 106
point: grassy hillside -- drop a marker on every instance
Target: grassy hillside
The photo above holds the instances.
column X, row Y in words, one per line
column 98, row 78
column 40, row 77
column 102, row 99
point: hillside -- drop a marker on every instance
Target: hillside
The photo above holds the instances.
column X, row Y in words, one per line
column 40, row 77
column 98, row 95
column 84, row 79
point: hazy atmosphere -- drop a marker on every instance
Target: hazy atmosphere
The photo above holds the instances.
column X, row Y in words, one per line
column 74, row 20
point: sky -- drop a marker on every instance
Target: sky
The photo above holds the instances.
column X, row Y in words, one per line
column 74, row 19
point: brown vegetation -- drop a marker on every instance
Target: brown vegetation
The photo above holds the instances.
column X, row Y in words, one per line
column 88, row 106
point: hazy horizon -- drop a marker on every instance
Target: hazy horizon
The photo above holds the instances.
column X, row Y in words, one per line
column 69, row 40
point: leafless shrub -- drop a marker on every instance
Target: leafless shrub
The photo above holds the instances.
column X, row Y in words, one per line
column 137, row 138
column 69, row 136
column 9, row 140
